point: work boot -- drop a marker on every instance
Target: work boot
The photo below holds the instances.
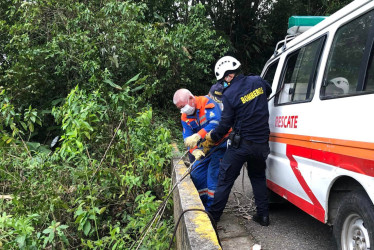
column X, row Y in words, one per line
column 262, row 220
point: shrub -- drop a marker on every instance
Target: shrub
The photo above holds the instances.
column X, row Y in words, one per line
column 99, row 188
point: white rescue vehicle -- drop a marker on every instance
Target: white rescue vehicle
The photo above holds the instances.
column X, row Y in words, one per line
column 322, row 125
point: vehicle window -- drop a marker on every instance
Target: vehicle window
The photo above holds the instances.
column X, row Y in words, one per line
column 270, row 72
column 344, row 64
column 299, row 74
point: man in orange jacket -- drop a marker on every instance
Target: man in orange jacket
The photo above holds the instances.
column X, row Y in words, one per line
column 200, row 114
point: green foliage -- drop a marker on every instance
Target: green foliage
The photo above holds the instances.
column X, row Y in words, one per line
column 253, row 27
column 78, row 115
column 54, row 45
column 50, row 234
column 98, row 73
column 17, row 232
column 14, row 123
column 100, row 187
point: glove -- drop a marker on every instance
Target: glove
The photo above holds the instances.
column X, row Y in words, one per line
column 192, row 140
column 198, row 154
column 208, row 143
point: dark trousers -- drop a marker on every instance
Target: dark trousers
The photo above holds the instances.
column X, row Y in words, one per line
column 255, row 155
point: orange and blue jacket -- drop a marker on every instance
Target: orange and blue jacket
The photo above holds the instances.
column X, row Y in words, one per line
column 206, row 118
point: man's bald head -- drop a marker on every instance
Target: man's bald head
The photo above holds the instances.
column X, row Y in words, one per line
column 183, row 97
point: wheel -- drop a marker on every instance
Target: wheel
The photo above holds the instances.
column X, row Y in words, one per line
column 354, row 224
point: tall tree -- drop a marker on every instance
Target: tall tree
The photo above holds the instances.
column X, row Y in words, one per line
column 282, row 10
column 255, row 26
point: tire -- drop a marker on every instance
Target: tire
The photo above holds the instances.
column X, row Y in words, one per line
column 354, row 224
column 275, row 198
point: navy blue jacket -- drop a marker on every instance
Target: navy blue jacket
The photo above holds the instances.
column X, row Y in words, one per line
column 245, row 109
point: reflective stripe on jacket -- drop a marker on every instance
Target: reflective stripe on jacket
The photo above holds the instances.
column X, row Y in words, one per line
column 205, row 118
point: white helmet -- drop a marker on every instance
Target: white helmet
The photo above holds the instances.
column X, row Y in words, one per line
column 224, row 64
column 341, row 83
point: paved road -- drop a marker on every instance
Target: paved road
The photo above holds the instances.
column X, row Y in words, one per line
column 290, row 228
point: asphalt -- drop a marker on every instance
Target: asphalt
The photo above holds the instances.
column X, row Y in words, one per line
column 290, row 227
column 231, row 227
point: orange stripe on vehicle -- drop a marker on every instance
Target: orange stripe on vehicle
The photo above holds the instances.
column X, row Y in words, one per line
column 363, row 150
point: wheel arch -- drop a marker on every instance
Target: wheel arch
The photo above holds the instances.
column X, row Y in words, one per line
column 340, row 187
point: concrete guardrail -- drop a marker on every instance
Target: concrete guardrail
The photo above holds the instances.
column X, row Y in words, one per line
column 195, row 231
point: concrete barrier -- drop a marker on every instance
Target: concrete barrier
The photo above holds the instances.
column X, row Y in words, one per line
column 195, row 231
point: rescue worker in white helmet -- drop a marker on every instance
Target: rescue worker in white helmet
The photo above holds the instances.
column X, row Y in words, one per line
column 200, row 114
column 245, row 109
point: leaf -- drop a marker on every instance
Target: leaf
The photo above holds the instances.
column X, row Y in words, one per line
column 24, row 125
column 47, row 230
column 112, row 84
column 138, row 88
column 133, row 79
column 87, row 228
column 21, row 241
column 33, row 145
column 102, row 210
column 64, row 239
column 79, row 212
column 89, row 244
column 57, row 101
column 79, row 144
column 43, row 149
column 51, row 236
column 87, row 134
column 72, row 134
column 45, row 242
column 31, row 127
